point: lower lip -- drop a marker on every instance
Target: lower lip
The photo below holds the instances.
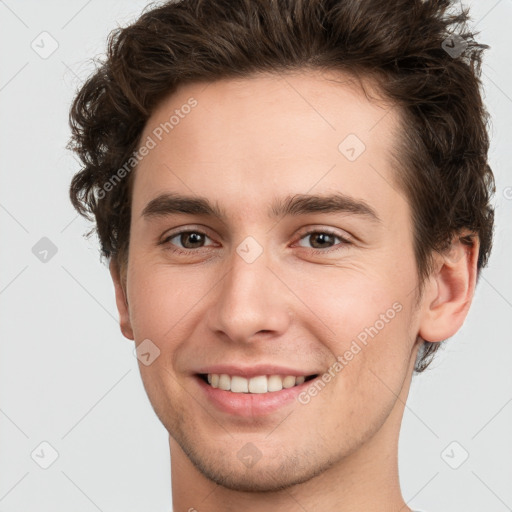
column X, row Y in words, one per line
column 250, row 404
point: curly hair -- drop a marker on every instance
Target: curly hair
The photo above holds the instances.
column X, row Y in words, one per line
column 421, row 54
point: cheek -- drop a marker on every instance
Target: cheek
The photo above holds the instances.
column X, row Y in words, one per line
column 347, row 301
column 159, row 299
column 379, row 356
column 365, row 322
column 159, row 302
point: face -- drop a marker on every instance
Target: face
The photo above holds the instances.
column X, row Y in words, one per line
column 297, row 263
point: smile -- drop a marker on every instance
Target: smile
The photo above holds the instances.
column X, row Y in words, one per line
column 257, row 384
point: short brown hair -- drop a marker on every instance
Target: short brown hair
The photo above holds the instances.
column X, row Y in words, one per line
column 404, row 45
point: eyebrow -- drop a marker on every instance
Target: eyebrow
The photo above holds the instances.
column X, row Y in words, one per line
column 298, row 204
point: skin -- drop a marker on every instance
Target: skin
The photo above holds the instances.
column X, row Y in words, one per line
column 246, row 143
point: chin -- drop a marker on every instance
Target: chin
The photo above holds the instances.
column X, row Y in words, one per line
column 275, row 475
column 263, row 480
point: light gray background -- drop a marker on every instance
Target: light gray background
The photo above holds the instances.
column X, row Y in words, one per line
column 68, row 377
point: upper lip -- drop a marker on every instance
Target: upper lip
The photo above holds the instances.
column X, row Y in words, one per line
column 255, row 370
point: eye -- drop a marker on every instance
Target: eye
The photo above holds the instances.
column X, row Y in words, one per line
column 323, row 240
column 186, row 241
column 189, row 240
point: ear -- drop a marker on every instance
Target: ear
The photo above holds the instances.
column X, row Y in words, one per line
column 121, row 301
column 450, row 289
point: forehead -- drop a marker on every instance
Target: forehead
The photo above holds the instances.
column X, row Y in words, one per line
column 258, row 135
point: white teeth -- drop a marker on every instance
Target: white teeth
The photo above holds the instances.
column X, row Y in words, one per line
column 224, row 382
column 289, row 381
column 259, row 384
column 239, row 384
column 275, row 383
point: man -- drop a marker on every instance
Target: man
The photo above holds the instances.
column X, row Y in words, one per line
column 294, row 197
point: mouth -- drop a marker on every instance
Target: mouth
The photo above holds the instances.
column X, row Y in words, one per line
column 248, row 398
column 259, row 384
column 244, row 393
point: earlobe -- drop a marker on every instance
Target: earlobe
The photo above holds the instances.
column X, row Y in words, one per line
column 451, row 289
column 121, row 302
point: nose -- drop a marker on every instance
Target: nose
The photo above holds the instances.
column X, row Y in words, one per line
column 251, row 301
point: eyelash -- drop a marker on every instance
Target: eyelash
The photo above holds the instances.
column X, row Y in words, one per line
column 343, row 240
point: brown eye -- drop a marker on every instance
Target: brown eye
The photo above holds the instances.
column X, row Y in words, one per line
column 191, row 239
column 186, row 240
column 321, row 239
